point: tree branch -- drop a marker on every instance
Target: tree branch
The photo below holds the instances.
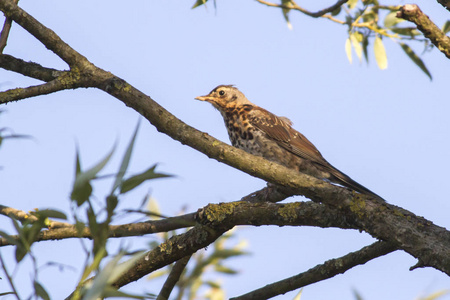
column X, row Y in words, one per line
column 295, row 6
column 115, row 231
column 23, row 216
column 69, row 80
column 46, row 36
column 445, row 3
column 320, row 272
column 228, row 214
column 417, row 236
column 5, row 32
column 29, row 69
column 173, row 278
column 412, row 13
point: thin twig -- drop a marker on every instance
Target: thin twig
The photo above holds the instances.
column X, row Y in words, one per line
column 11, row 283
column 69, row 80
column 5, row 32
column 23, row 216
column 173, row 278
column 29, row 69
column 320, row 272
column 47, row 37
column 115, row 231
column 295, row 6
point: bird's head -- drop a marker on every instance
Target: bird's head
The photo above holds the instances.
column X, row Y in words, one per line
column 225, row 96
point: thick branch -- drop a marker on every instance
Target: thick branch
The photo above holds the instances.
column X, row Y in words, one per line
column 412, row 13
column 170, row 251
column 417, row 236
column 320, row 272
column 227, row 214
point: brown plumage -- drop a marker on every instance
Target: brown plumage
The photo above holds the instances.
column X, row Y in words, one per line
column 259, row 132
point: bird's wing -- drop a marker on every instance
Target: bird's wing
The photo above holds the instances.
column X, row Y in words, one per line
column 279, row 129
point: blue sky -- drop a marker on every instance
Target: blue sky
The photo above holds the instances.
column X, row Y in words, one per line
column 388, row 129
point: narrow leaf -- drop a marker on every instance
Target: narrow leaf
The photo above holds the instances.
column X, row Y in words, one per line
column 136, row 180
column 365, row 45
column 9, row 238
column 336, row 11
column 407, row 31
column 286, row 12
column 82, row 188
column 198, row 3
column 299, row 295
column 40, row 291
column 49, row 213
column 416, row 59
column 125, row 160
column 446, row 27
column 352, row 3
column 225, row 270
column 348, row 49
column 392, row 20
column 356, row 45
column 113, row 292
column 380, row 53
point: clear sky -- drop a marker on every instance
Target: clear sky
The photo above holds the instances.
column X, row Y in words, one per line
column 388, row 130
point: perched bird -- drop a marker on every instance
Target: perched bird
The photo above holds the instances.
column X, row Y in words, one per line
column 259, row 132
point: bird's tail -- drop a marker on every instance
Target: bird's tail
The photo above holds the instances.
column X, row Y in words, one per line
column 346, row 181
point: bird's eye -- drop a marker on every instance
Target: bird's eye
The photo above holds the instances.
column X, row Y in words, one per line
column 221, row 93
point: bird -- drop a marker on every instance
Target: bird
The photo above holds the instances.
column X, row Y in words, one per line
column 262, row 133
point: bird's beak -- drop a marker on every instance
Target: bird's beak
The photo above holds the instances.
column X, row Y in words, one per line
column 203, row 98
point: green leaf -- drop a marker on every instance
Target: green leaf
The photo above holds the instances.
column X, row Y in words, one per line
column 391, row 19
column 49, row 213
column 446, row 27
column 80, row 226
column 125, row 160
column 380, row 53
column 111, row 204
column 225, row 270
column 336, row 11
column 348, row 49
column 213, row 284
column 198, row 3
column 352, row 3
column 407, row 31
column 356, row 45
column 109, row 274
column 416, row 59
column 82, row 188
column 136, row 180
column 365, row 45
column 110, row 291
column 286, row 11
column 40, row 291
column 9, row 238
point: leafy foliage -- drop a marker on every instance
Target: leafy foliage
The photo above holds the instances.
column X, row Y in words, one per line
column 368, row 21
